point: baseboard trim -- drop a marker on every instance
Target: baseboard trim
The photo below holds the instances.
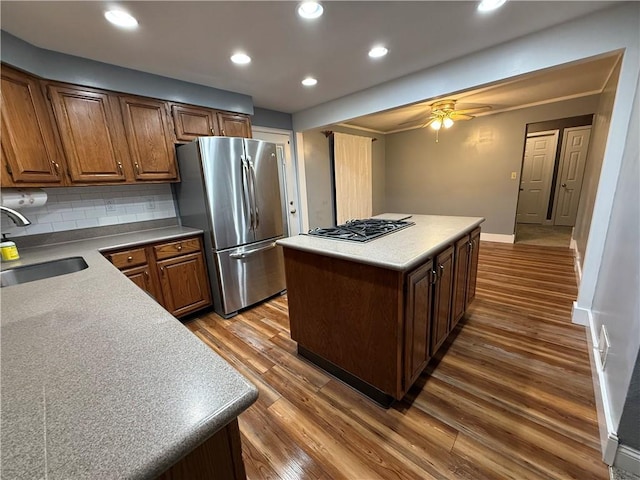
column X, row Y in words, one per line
column 628, row 459
column 580, row 316
column 497, row 237
column 608, row 436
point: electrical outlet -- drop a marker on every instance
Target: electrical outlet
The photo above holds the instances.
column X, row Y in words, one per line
column 111, row 205
column 514, row 175
column 150, row 203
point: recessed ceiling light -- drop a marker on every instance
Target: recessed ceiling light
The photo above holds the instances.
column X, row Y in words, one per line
column 377, row 52
column 240, row 58
column 488, row 5
column 121, row 18
column 309, row 82
column 310, row 10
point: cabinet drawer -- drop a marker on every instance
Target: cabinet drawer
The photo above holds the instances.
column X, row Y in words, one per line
column 180, row 247
column 128, row 258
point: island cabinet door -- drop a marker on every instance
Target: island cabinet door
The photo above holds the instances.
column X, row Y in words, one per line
column 461, row 279
column 473, row 266
column 417, row 322
column 443, row 271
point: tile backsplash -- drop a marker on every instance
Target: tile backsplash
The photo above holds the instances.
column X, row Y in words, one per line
column 84, row 207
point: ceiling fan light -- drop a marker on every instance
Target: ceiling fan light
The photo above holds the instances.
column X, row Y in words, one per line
column 447, row 122
column 436, row 124
column 489, row 5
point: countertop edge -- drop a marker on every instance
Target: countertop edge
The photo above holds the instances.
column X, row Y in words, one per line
column 404, row 266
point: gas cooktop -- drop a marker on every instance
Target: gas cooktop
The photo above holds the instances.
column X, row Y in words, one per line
column 361, row 230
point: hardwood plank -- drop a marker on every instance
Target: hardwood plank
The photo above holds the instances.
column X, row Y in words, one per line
column 508, row 396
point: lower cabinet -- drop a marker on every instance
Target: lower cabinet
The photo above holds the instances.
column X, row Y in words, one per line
column 474, row 246
column 374, row 328
column 218, row 458
column 418, row 322
column 174, row 273
column 442, row 293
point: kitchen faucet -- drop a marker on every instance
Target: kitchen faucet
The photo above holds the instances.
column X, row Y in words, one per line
column 19, row 219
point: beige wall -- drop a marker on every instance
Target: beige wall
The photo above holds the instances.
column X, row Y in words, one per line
column 599, row 134
column 469, row 171
column 318, row 174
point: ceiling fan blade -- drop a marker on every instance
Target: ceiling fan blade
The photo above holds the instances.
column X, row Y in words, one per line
column 415, row 119
column 484, row 108
column 461, row 116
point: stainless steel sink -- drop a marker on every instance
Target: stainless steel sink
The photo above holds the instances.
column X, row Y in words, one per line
column 38, row 271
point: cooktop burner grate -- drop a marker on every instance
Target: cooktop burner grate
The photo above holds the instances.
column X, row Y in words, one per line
column 361, row 230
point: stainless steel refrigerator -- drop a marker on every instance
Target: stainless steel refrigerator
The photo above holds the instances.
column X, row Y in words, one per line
column 231, row 189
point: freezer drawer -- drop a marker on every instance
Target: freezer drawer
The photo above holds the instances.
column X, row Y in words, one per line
column 250, row 274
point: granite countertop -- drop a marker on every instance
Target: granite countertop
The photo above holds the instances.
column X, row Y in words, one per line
column 401, row 250
column 98, row 380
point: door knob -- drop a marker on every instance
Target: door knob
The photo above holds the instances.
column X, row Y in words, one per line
column 564, row 185
column 292, row 211
column 522, row 189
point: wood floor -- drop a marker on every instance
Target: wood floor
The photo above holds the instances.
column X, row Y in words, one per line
column 511, row 397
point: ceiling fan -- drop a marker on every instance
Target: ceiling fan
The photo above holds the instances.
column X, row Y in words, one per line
column 444, row 114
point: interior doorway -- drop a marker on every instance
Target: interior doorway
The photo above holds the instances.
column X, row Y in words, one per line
column 288, row 176
column 554, row 159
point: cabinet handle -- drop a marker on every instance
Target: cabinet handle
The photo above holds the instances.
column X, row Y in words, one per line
column 223, row 133
column 56, row 167
column 434, row 277
column 120, row 168
column 129, row 259
column 8, row 168
column 146, row 273
column 213, row 132
column 179, row 247
column 440, row 271
column 137, row 168
column 162, row 270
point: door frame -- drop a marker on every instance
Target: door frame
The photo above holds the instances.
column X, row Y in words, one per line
column 291, row 176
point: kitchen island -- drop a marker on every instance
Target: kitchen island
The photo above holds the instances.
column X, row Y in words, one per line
column 373, row 314
column 99, row 381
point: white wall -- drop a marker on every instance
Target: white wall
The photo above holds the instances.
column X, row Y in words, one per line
column 468, row 172
column 616, row 303
column 593, row 167
column 72, row 208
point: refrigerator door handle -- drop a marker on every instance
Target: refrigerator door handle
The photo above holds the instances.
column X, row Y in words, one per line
column 252, row 252
column 246, row 194
column 256, row 213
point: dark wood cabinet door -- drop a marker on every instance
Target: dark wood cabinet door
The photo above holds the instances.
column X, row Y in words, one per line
column 141, row 276
column 443, row 269
column 234, row 125
column 473, row 266
column 88, row 124
column 461, row 277
column 193, row 122
column 417, row 322
column 150, row 138
column 184, row 283
column 29, row 139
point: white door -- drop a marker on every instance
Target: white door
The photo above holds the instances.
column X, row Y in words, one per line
column 575, row 146
column 537, row 172
column 282, row 139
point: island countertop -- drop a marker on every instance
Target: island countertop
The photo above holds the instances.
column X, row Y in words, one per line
column 400, row 250
column 98, row 380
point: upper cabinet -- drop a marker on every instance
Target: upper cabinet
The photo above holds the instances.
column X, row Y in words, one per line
column 30, row 150
column 234, row 125
column 150, row 138
column 58, row 134
column 91, row 131
column 192, row 122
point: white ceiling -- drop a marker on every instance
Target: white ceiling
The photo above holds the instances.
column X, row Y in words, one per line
column 193, row 41
column 567, row 81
